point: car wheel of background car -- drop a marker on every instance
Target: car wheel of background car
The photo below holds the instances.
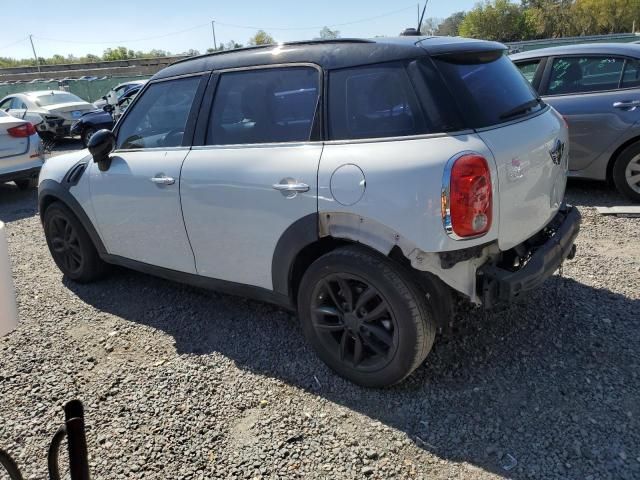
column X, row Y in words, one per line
column 26, row 183
column 70, row 245
column 365, row 317
column 86, row 135
column 626, row 172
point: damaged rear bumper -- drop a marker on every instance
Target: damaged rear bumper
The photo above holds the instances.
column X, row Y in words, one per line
column 499, row 281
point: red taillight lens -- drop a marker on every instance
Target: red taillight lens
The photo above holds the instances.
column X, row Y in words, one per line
column 470, row 196
column 21, row 131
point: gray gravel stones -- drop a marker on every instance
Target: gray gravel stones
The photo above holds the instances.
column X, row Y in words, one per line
column 184, row 383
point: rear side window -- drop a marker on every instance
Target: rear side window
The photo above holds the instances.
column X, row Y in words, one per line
column 631, row 77
column 264, row 106
column 372, row 102
column 160, row 115
column 488, row 87
column 529, row 69
column 584, row 74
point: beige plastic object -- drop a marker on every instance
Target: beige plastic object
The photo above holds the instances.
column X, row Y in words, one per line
column 8, row 310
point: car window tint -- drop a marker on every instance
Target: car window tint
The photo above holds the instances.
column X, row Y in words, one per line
column 373, row 102
column 631, row 77
column 528, row 69
column 264, row 106
column 6, row 104
column 159, row 117
column 585, row 74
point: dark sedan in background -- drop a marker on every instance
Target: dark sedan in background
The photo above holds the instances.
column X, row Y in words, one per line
column 596, row 88
column 96, row 120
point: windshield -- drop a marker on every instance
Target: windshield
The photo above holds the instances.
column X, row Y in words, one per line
column 56, row 98
column 488, row 86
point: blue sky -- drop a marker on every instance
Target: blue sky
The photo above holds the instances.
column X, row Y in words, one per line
column 79, row 27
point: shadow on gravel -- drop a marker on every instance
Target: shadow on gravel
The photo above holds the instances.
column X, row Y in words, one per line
column 551, row 383
column 16, row 204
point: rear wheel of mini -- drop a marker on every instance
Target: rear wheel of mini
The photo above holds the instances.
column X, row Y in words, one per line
column 626, row 172
column 365, row 316
column 70, row 245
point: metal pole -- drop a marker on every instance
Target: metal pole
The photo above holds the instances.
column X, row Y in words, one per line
column 34, row 53
column 213, row 29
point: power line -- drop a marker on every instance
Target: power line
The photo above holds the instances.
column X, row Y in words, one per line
column 248, row 27
column 14, row 43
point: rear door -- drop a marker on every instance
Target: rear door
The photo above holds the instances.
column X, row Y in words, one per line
column 597, row 102
column 255, row 172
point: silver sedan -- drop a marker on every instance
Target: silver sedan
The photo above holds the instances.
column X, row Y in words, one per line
column 596, row 88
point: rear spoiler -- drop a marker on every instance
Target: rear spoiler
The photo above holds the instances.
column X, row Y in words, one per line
column 460, row 46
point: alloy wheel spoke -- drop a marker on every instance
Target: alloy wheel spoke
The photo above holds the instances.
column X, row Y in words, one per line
column 57, row 244
column 357, row 350
column 327, row 310
column 379, row 333
column 332, row 294
column 68, row 231
column 346, row 292
column 376, row 313
column 633, row 179
column 367, row 295
column 369, row 342
column 343, row 345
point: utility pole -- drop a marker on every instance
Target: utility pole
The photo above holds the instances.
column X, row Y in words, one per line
column 34, row 53
column 213, row 29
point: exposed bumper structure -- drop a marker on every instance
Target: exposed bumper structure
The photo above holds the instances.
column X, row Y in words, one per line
column 527, row 265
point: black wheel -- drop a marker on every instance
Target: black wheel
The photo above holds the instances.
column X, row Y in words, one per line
column 70, row 245
column 365, row 316
column 25, row 183
column 626, row 172
column 86, row 135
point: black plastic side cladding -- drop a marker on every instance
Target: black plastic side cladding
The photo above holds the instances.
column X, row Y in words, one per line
column 299, row 235
column 51, row 191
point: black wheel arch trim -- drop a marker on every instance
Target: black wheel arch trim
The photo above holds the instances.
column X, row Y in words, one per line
column 300, row 234
column 50, row 191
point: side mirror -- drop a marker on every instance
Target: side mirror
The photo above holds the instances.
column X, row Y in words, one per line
column 100, row 145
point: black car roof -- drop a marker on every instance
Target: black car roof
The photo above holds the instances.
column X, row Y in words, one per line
column 329, row 54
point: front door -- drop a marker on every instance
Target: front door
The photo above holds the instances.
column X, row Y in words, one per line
column 591, row 94
column 136, row 201
column 256, row 174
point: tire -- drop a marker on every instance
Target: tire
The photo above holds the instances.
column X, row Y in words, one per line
column 25, row 183
column 627, row 168
column 70, row 245
column 363, row 344
column 87, row 133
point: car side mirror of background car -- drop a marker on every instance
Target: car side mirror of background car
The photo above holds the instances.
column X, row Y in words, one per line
column 100, row 145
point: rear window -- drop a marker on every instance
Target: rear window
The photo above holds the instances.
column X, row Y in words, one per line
column 488, row 87
column 56, row 99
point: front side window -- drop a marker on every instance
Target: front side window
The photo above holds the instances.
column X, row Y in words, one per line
column 585, row 74
column 159, row 117
column 264, row 106
column 373, row 102
column 528, row 69
column 6, row 104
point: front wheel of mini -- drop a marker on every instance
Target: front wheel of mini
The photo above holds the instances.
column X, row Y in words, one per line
column 365, row 316
column 70, row 245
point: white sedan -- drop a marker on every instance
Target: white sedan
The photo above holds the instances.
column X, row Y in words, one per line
column 51, row 111
column 21, row 153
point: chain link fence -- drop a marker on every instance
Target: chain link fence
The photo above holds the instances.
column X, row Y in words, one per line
column 89, row 90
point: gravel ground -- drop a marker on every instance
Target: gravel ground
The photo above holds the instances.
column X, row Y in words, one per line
column 184, row 383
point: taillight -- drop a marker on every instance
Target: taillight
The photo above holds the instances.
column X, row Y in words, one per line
column 21, row 131
column 467, row 202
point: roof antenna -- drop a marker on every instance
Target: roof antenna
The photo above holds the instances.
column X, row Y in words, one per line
column 412, row 32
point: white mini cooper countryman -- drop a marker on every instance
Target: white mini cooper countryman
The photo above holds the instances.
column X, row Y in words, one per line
column 363, row 184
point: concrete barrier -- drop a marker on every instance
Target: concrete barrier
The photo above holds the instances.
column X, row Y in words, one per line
column 8, row 310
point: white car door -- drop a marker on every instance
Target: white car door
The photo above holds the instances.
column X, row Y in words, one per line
column 256, row 174
column 136, row 201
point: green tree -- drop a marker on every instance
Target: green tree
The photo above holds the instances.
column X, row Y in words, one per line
column 430, row 25
column 451, row 25
column 495, row 20
column 261, row 38
column 327, row 34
